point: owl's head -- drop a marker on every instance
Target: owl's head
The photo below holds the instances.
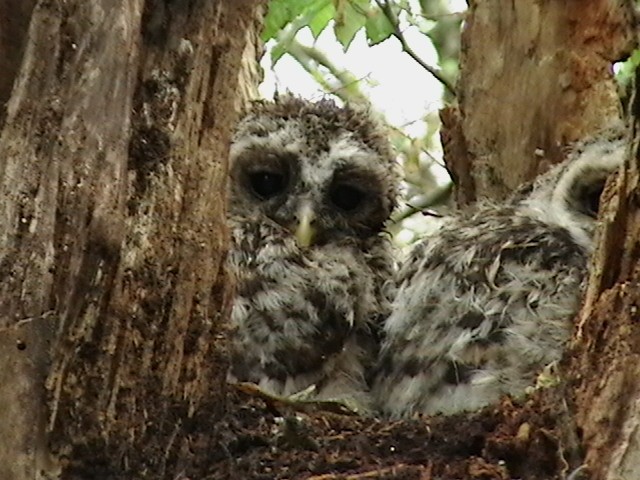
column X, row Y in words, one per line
column 569, row 194
column 319, row 170
column 583, row 179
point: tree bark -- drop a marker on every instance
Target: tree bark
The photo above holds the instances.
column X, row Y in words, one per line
column 606, row 358
column 113, row 294
column 535, row 77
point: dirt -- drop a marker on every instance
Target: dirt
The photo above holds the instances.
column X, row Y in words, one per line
column 259, row 440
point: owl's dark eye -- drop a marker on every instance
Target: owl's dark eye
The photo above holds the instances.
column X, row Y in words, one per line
column 591, row 200
column 346, row 197
column 267, row 184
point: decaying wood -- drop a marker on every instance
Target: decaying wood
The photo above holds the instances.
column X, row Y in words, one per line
column 606, row 363
column 113, row 162
column 531, row 439
column 535, row 76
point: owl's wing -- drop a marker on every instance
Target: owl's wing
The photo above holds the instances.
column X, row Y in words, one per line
column 482, row 306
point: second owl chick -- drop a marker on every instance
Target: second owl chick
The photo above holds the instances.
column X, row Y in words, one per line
column 488, row 300
column 311, row 187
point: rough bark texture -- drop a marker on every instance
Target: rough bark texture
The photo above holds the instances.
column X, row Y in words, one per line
column 606, row 362
column 535, row 76
column 113, row 162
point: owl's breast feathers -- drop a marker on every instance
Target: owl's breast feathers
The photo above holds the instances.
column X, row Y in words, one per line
column 303, row 316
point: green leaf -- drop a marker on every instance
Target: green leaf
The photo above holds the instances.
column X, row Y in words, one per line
column 378, row 27
column 351, row 16
column 277, row 52
column 282, row 12
column 321, row 19
column 627, row 68
column 276, row 18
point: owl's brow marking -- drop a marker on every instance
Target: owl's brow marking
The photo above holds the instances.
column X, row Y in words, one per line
column 256, row 159
column 356, row 175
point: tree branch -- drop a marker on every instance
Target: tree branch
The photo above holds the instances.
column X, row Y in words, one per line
column 397, row 33
column 435, row 198
column 348, row 89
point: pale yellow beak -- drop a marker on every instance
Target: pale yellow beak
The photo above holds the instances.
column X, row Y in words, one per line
column 305, row 232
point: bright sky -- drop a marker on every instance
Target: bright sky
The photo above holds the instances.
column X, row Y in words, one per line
column 395, row 83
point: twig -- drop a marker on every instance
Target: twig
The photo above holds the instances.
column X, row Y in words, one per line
column 435, row 198
column 306, row 406
column 386, row 9
column 305, row 56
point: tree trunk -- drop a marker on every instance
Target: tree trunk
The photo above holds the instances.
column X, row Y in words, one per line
column 605, row 365
column 535, row 77
column 113, row 294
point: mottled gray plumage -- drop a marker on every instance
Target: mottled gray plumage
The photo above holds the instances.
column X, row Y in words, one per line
column 311, row 187
column 488, row 300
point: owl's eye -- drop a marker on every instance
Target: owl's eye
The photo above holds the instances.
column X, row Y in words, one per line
column 591, row 200
column 267, row 184
column 346, row 197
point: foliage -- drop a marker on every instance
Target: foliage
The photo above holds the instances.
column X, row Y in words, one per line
column 380, row 20
column 349, row 17
column 625, row 73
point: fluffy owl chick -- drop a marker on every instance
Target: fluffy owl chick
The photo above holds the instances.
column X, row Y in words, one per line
column 488, row 300
column 311, row 187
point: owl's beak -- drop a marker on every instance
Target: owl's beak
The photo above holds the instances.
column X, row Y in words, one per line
column 305, row 232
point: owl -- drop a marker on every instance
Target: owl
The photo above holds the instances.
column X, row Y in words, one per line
column 311, row 187
column 487, row 301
